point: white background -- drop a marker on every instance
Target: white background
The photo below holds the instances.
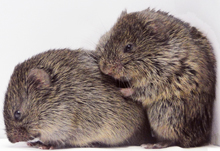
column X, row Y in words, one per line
column 28, row 27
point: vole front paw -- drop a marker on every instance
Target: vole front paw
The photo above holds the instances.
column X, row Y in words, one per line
column 39, row 145
column 127, row 91
column 158, row 145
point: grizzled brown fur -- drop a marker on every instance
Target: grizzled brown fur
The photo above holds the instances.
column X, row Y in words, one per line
column 61, row 97
column 171, row 69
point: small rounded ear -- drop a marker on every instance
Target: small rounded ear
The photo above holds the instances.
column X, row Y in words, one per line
column 195, row 33
column 38, row 79
column 158, row 30
column 123, row 13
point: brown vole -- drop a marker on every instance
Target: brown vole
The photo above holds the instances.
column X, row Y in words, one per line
column 61, row 97
column 171, row 69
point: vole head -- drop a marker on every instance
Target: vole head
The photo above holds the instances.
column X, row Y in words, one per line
column 134, row 44
column 24, row 102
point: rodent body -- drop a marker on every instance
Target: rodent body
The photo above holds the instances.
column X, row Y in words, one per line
column 171, row 69
column 61, row 97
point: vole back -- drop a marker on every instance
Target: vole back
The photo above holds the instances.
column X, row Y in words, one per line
column 61, row 97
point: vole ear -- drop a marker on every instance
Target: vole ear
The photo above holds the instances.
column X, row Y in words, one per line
column 157, row 30
column 123, row 13
column 38, row 79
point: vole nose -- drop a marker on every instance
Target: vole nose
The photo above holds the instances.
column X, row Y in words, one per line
column 18, row 135
column 111, row 69
column 106, row 68
column 108, row 71
column 15, row 139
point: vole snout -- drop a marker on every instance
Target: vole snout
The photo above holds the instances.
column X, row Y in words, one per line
column 19, row 135
column 111, row 68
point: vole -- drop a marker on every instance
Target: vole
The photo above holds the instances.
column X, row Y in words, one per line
column 61, row 98
column 170, row 67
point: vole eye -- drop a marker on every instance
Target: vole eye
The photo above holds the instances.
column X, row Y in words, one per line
column 17, row 115
column 128, row 48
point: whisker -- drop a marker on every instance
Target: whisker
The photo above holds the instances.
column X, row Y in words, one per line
column 90, row 53
column 35, row 130
column 141, row 70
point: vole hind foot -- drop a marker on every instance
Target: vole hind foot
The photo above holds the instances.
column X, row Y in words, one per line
column 40, row 145
column 158, row 145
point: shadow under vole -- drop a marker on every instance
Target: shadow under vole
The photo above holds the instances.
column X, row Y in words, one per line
column 61, row 97
column 170, row 67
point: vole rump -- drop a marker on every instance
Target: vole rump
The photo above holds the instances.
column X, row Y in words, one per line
column 171, row 69
column 61, row 97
